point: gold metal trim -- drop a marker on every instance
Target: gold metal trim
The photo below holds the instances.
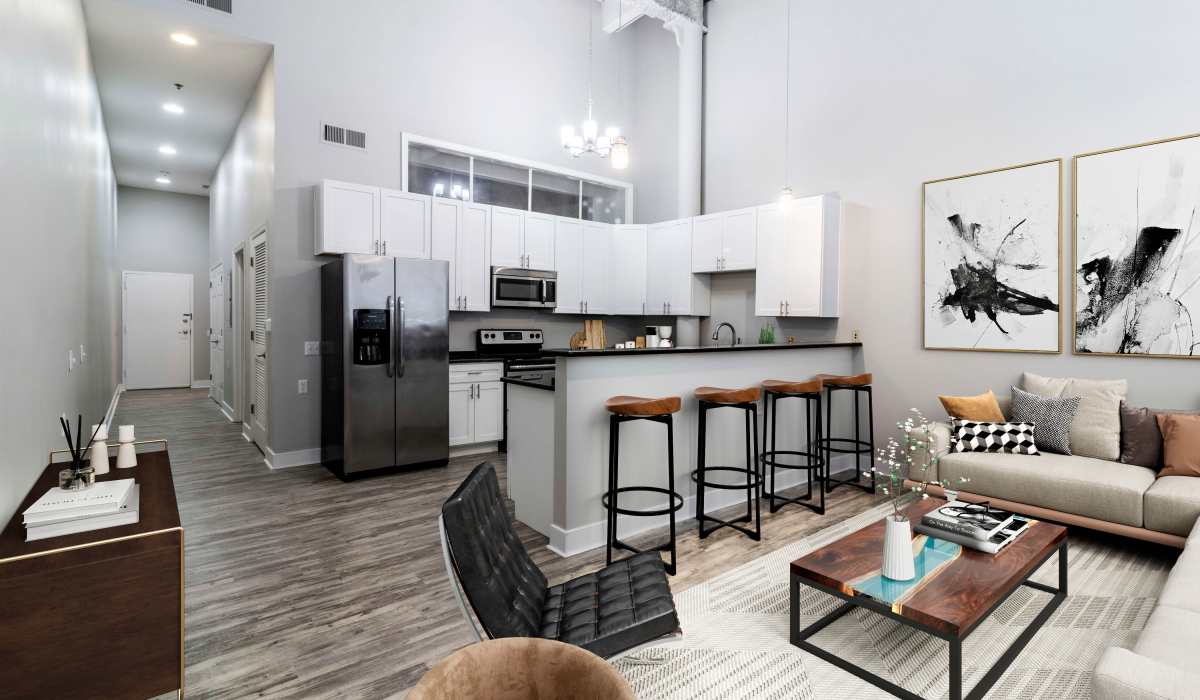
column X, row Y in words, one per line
column 21, row 557
column 1075, row 252
column 924, row 342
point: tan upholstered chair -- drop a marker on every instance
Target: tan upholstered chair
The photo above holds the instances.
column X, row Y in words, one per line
column 521, row 668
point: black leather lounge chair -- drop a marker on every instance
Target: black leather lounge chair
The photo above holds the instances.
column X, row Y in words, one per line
column 622, row 606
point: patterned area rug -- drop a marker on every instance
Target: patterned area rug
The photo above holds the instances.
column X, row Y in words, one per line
column 735, row 642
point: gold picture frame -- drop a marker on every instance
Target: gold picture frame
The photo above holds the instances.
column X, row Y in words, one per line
column 1075, row 249
column 1059, row 247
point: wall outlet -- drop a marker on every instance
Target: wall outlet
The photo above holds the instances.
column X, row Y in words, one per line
column 855, row 336
column 302, row 386
column 70, row 361
column 312, row 347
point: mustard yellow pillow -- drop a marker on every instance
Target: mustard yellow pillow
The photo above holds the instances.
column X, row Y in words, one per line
column 984, row 407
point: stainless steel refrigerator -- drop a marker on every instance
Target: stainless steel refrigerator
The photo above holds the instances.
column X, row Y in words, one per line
column 384, row 364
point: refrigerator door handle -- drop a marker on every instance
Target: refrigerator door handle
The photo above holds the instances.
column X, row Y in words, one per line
column 391, row 321
column 400, row 339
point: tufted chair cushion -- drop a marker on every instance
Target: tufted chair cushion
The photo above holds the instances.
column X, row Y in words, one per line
column 619, row 607
column 505, row 587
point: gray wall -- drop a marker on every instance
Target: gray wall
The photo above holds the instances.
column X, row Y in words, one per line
column 58, row 206
column 888, row 95
column 499, row 76
column 168, row 232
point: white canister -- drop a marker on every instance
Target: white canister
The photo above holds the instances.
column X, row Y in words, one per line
column 897, row 549
column 98, row 457
column 125, row 433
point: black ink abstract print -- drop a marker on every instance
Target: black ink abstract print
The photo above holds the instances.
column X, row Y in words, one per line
column 991, row 258
column 1137, row 250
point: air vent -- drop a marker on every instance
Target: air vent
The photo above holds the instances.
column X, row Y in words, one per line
column 220, row 5
column 342, row 136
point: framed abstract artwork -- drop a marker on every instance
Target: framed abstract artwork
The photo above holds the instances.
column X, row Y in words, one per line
column 992, row 258
column 1137, row 250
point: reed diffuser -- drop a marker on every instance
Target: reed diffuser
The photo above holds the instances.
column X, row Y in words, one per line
column 80, row 475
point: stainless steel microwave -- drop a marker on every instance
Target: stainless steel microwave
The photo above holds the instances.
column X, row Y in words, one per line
column 516, row 286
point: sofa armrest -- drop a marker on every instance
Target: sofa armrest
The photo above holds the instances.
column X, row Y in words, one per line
column 1124, row 675
column 938, row 445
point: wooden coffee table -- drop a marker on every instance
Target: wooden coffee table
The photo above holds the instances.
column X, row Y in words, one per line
column 955, row 589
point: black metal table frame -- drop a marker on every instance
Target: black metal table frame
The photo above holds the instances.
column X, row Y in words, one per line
column 800, row 637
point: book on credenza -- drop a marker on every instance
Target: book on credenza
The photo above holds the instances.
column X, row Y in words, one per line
column 127, row 513
column 102, row 498
column 988, row 531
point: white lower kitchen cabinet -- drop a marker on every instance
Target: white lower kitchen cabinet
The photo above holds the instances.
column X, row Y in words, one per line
column 671, row 288
column 476, row 403
column 798, row 258
column 461, row 235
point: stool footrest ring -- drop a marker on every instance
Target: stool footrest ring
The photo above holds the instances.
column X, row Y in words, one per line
column 676, row 501
column 861, row 447
column 769, row 458
column 753, row 481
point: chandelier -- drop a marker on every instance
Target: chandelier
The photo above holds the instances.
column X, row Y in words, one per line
column 611, row 144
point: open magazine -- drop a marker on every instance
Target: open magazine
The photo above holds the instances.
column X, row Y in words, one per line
column 974, row 525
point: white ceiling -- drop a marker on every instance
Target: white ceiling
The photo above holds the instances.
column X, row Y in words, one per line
column 136, row 65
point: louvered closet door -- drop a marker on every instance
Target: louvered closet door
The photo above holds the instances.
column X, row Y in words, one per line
column 260, row 264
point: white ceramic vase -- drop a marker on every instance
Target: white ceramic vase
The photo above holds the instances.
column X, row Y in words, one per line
column 897, row 549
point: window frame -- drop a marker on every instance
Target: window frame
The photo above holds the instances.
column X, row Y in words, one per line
column 408, row 139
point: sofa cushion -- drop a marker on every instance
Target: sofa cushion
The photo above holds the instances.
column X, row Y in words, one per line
column 1141, row 440
column 1096, row 430
column 1182, row 589
column 1051, row 416
column 1093, row 488
column 983, row 408
column 1009, row 438
column 1181, row 445
column 1171, row 636
column 1172, row 505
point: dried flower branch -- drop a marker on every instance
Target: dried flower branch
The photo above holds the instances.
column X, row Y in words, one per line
column 904, row 458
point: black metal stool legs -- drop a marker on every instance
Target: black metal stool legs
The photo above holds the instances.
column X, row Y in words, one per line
column 813, row 458
column 610, row 500
column 753, row 484
column 857, row 445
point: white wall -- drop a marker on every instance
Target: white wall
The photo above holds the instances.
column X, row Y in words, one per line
column 887, row 95
column 168, row 232
column 58, row 217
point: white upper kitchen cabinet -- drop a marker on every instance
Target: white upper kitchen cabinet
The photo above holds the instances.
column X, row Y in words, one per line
column 346, row 218
column 508, row 237
column 798, row 254
column 671, row 288
column 539, row 241
column 461, row 233
column 404, row 224
column 568, row 261
column 596, row 279
column 724, row 241
column 627, row 270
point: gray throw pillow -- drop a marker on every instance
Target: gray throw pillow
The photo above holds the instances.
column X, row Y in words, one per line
column 1141, row 440
column 1053, row 418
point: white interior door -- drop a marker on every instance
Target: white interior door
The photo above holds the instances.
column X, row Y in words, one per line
column 259, row 266
column 216, row 332
column 157, row 332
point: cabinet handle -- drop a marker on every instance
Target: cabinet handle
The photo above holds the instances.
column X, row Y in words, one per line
column 787, row 307
column 780, row 307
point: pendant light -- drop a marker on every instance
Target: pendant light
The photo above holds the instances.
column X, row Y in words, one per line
column 785, row 195
column 589, row 139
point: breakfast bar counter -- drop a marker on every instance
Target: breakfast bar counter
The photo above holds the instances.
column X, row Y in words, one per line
column 558, row 440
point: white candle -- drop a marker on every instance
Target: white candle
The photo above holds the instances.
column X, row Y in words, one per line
column 125, row 433
column 101, row 433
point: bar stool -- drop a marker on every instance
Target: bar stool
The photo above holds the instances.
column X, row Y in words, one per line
column 814, row 456
column 857, row 446
column 745, row 400
column 623, row 409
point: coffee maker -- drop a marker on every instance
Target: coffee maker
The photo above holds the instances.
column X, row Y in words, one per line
column 664, row 337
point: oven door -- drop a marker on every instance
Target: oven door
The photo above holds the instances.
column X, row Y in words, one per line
column 520, row 289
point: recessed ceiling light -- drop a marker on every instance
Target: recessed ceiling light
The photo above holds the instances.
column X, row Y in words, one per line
column 167, row 149
column 163, row 180
column 184, row 39
column 172, row 107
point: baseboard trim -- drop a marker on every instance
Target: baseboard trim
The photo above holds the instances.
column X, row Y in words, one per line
column 476, row 449
column 112, row 406
column 202, row 384
column 246, row 433
column 226, row 411
column 566, row 543
column 295, row 458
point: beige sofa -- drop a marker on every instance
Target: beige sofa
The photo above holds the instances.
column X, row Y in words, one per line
column 1163, row 662
column 1094, row 493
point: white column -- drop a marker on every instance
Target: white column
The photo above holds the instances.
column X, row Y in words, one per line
column 690, row 38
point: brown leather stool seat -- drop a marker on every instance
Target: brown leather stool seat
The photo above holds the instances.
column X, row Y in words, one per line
column 779, row 386
column 731, row 396
column 846, row 380
column 639, row 406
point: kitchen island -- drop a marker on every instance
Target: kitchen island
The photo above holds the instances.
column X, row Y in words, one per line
column 558, row 435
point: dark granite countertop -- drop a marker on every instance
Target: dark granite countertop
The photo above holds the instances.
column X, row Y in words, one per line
column 545, row 384
column 462, row 356
column 614, row 352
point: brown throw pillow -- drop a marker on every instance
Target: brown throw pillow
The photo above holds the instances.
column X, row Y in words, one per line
column 1181, row 445
column 983, row 408
column 1141, row 439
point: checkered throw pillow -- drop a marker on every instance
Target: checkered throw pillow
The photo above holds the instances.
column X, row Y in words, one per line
column 973, row 436
column 1053, row 418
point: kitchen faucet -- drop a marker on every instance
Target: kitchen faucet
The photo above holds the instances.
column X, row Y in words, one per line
column 717, row 333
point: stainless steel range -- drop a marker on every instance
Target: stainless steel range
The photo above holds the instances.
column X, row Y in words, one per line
column 520, row 349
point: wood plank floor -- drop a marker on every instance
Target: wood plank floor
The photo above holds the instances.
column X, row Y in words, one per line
column 299, row 585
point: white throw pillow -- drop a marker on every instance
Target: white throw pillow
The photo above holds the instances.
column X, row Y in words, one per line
column 1096, row 430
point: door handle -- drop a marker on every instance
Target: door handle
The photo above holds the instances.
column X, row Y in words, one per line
column 400, row 339
column 391, row 332
column 261, row 354
column 183, row 332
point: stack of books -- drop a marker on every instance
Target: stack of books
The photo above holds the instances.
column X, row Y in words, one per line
column 60, row 512
column 989, row 530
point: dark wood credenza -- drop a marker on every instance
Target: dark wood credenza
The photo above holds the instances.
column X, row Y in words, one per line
column 97, row 614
